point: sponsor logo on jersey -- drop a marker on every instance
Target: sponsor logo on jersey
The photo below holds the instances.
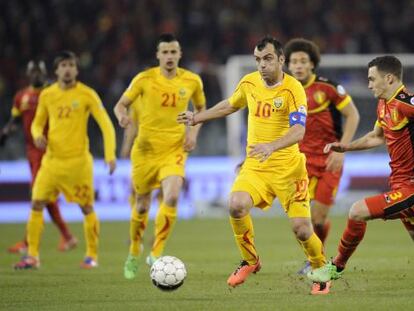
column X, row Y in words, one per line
column 278, row 102
column 182, row 92
column 394, row 115
column 319, row 97
column 75, row 104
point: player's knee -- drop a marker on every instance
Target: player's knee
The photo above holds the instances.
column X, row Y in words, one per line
column 87, row 209
column 38, row 205
column 357, row 211
column 171, row 199
column 302, row 232
column 239, row 207
column 143, row 204
column 302, row 228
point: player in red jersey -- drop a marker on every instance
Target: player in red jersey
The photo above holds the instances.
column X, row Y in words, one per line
column 24, row 108
column 395, row 128
column 328, row 103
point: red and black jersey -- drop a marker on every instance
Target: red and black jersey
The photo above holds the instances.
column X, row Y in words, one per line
column 324, row 121
column 24, row 106
column 396, row 118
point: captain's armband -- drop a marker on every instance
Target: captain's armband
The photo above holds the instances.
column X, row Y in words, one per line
column 297, row 117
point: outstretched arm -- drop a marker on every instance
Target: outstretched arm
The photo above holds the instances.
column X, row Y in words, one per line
column 192, row 132
column 9, row 128
column 335, row 160
column 130, row 133
column 372, row 139
column 220, row 110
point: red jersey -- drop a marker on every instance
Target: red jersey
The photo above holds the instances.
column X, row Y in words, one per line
column 396, row 118
column 24, row 106
column 324, row 121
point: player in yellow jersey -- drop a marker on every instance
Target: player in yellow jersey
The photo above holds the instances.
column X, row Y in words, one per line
column 67, row 164
column 130, row 133
column 160, row 150
column 274, row 166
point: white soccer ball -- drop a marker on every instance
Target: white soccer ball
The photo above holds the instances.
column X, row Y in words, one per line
column 168, row 273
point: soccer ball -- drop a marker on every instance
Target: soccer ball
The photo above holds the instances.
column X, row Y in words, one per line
column 168, row 273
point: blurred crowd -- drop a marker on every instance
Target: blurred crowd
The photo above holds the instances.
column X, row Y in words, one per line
column 116, row 38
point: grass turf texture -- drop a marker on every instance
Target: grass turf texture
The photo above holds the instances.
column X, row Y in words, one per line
column 380, row 276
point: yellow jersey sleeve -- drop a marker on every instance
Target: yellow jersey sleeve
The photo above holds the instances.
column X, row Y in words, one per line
column 41, row 117
column 297, row 100
column 238, row 98
column 136, row 87
column 199, row 98
column 101, row 116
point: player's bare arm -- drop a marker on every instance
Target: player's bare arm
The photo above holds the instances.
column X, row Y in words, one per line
column 335, row 160
column 372, row 139
column 129, row 135
column 192, row 133
column 220, row 110
column 121, row 111
column 264, row 151
column 9, row 128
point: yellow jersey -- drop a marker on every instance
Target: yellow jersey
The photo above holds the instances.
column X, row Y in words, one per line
column 160, row 101
column 269, row 110
column 67, row 112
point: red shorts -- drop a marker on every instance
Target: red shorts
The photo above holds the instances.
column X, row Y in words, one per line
column 323, row 184
column 392, row 205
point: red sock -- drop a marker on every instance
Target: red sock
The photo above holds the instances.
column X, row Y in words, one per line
column 54, row 213
column 322, row 231
column 352, row 236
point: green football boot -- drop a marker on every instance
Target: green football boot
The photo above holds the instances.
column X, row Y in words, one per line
column 324, row 274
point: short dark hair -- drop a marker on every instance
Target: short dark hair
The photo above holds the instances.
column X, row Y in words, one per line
column 64, row 55
column 303, row 45
column 270, row 40
column 388, row 64
column 166, row 37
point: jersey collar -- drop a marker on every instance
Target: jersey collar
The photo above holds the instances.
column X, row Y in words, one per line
column 311, row 80
column 395, row 93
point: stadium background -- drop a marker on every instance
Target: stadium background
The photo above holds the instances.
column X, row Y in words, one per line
column 115, row 40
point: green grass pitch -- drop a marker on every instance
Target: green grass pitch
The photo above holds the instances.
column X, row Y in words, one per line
column 380, row 275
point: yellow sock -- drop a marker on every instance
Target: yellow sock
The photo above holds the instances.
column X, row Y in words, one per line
column 244, row 235
column 91, row 232
column 137, row 226
column 34, row 232
column 164, row 224
column 313, row 249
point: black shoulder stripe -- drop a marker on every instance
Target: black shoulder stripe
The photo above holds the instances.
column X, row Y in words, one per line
column 405, row 97
column 326, row 80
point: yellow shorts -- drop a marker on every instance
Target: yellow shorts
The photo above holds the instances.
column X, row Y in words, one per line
column 289, row 183
column 148, row 171
column 73, row 177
